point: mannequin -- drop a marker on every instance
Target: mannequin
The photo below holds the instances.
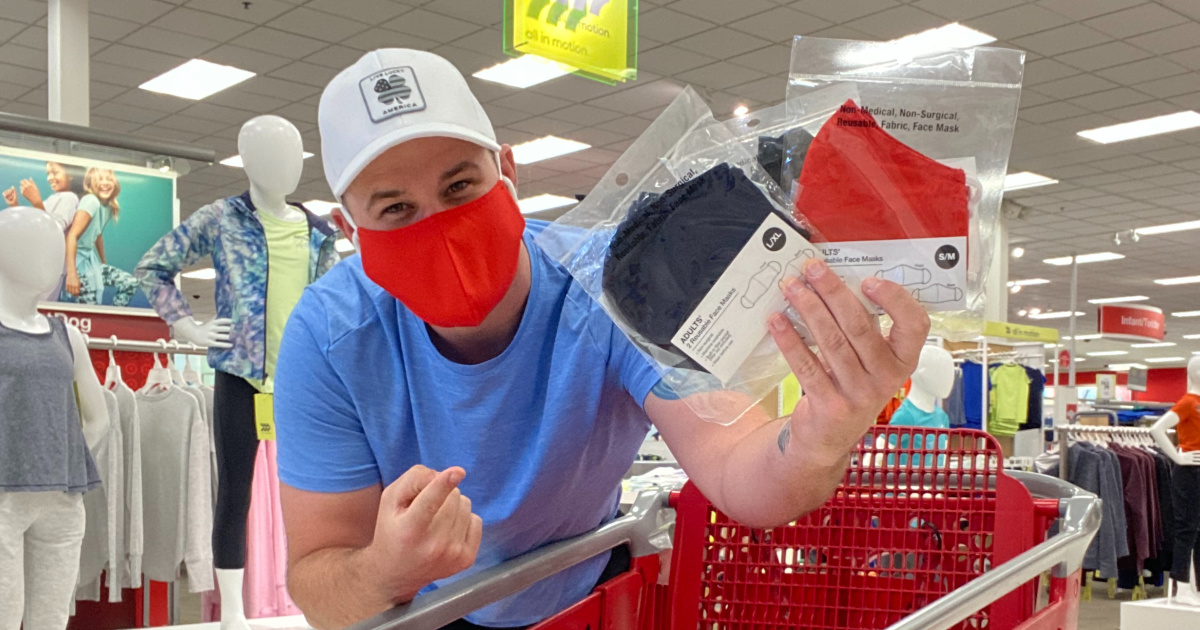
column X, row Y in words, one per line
column 1186, row 492
column 41, row 530
column 932, row 380
column 265, row 251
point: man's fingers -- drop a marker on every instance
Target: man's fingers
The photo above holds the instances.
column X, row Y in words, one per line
column 834, row 345
column 804, row 364
column 910, row 322
column 401, row 492
column 462, row 520
column 430, row 500
column 446, row 518
column 859, row 327
column 475, row 534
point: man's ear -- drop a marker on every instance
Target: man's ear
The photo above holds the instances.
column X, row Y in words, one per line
column 508, row 163
column 342, row 224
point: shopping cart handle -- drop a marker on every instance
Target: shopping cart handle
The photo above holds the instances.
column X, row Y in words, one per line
column 456, row 600
column 1079, row 521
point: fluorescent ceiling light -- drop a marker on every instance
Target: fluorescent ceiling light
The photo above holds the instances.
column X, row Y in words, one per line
column 1191, row 336
column 1124, row 367
column 524, row 72
column 1051, row 346
column 1090, row 337
column 1018, row 252
column 208, row 273
column 545, row 148
column 544, row 202
column 1162, row 359
column 343, row 245
column 196, row 79
column 1179, row 280
column 1079, row 359
column 1119, row 300
column 1063, row 261
column 1025, row 179
column 953, row 35
column 1027, row 283
column 1160, row 344
column 1056, row 315
column 1168, row 228
column 1186, row 314
column 1108, row 353
column 1142, row 128
column 236, row 160
column 320, row 208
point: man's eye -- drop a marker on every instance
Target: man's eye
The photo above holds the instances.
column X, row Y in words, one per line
column 458, row 186
column 397, row 208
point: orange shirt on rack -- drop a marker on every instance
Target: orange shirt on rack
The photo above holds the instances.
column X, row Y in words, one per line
column 1188, row 431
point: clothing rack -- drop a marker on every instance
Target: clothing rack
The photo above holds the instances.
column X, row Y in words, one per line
column 1133, row 404
column 162, row 345
column 1064, row 435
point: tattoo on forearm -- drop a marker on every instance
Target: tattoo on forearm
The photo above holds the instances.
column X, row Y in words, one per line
column 785, row 435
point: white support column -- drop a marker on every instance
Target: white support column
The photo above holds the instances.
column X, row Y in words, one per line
column 69, row 76
column 996, row 284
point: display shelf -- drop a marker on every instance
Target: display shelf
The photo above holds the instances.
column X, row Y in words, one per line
column 1157, row 614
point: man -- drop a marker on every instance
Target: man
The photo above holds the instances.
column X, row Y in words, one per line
column 453, row 358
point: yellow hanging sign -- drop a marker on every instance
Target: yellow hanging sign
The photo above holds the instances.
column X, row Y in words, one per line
column 596, row 37
column 264, row 416
column 1020, row 332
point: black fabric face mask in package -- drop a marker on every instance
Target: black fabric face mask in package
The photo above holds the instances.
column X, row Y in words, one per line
column 684, row 243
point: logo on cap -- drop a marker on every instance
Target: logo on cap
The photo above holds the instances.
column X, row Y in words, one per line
column 392, row 92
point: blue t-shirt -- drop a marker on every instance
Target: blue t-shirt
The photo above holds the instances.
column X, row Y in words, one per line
column 909, row 415
column 545, row 431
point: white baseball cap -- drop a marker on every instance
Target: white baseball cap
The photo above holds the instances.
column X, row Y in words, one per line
column 390, row 96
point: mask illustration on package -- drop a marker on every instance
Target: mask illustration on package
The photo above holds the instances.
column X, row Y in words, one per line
column 906, row 275
column 859, row 183
column 938, row 293
column 766, row 278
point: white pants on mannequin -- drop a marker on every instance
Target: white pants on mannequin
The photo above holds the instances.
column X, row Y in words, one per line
column 40, row 538
column 233, row 612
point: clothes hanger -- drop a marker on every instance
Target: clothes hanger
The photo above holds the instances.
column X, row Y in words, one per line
column 113, row 375
column 176, row 376
column 190, row 375
column 159, row 376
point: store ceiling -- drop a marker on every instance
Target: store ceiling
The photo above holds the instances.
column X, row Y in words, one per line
column 1090, row 63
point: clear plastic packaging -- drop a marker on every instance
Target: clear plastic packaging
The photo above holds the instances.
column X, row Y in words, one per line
column 905, row 181
column 683, row 243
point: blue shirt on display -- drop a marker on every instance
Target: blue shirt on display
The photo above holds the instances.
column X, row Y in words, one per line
column 545, row 431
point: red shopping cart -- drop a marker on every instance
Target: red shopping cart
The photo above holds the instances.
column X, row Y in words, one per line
column 925, row 532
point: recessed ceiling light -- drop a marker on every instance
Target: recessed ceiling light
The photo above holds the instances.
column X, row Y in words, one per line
column 1091, row 337
column 545, row 148
column 1028, row 283
column 207, row 273
column 1016, row 288
column 1063, row 261
column 1162, row 359
column 1191, row 336
column 1160, row 344
column 1168, row 228
column 544, row 202
column 1119, row 300
column 1186, row 314
column 1108, row 353
column 741, row 110
column 1179, row 280
column 1079, row 359
column 1055, row 315
column 523, row 72
column 236, row 160
column 343, row 245
column 1142, row 128
column 1023, row 312
column 1025, row 179
column 196, row 79
column 320, row 208
column 1018, row 252
column 953, row 35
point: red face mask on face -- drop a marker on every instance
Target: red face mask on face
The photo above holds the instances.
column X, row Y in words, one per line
column 450, row 269
column 861, row 184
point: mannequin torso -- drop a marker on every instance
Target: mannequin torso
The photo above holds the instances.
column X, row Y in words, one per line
column 1186, row 454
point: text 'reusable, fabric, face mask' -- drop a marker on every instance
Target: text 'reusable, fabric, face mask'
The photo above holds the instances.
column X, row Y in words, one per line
column 671, row 249
column 859, row 183
column 452, row 268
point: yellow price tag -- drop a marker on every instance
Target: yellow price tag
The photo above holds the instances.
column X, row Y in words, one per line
column 264, row 416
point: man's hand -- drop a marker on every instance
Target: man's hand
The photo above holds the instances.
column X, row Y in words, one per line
column 73, row 286
column 10, row 196
column 425, row 531
column 29, row 191
column 858, row 368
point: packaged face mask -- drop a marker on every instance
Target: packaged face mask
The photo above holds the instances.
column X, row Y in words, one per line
column 904, row 180
column 684, row 243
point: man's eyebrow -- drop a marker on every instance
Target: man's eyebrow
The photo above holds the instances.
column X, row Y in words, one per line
column 458, row 169
column 384, row 194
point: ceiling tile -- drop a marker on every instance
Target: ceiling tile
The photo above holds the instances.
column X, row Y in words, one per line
column 1186, row 7
column 631, row 126
column 255, row 61
column 336, row 57
column 671, row 60
column 1103, row 56
column 194, row 125
column 578, row 89
column 22, row 56
column 771, row 60
column 1172, row 86
column 1043, row 70
column 164, row 41
column 959, row 10
column 375, row 38
column 137, row 11
column 371, row 12
column 1082, row 10
column 203, row 24
column 108, row 28
column 488, row 41
column 432, row 25
column 532, row 104
column 896, row 22
column 1050, row 112
column 25, row 11
column 277, row 42
column 240, row 99
column 1189, row 58
column 841, row 12
column 542, row 126
column 780, row 24
column 1111, row 99
column 257, row 12
column 721, row 75
column 316, row 25
column 217, row 113
column 665, row 25
column 721, row 12
column 584, row 115
column 122, row 55
column 306, row 73
column 117, row 75
column 1136, row 20
column 1077, row 85
column 1141, row 71
column 483, row 13
column 639, row 99
column 1018, row 21
column 1062, row 39
column 722, row 42
column 143, row 99
column 128, row 113
column 279, row 88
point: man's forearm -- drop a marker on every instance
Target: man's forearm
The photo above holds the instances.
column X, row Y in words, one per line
column 336, row 588
column 773, row 477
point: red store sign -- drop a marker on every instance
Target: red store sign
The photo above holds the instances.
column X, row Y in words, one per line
column 1135, row 323
column 101, row 322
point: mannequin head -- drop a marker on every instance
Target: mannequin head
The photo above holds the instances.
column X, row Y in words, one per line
column 1194, row 375
column 32, row 252
column 934, row 375
column 272, row 155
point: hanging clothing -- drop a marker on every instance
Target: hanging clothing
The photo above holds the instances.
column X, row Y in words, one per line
column 41, row 439
column 1037, row 390
column 909, row 415
column 104, row 536
column 972, row 388
column 1008, row 399
column 954, row 405
column 176, row 490
column 131, row 573
column 287, row 275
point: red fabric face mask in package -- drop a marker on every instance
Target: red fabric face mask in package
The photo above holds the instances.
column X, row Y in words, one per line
column 905, row 179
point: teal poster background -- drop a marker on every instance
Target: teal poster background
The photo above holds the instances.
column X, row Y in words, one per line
column 147, row 204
